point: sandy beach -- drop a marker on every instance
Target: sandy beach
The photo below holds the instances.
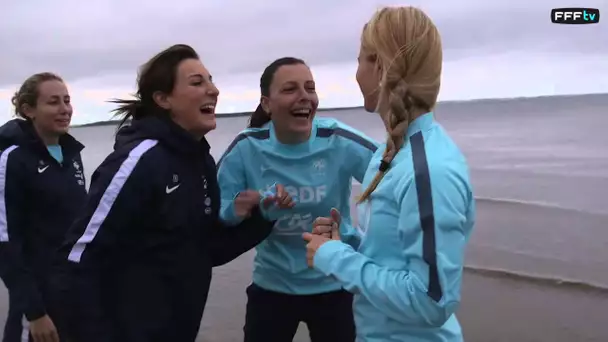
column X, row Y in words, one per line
column 538, row 259
column 494, row 308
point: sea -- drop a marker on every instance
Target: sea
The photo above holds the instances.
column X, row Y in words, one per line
column 539, row 168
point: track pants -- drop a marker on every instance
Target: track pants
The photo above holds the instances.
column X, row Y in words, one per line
column 275, row 317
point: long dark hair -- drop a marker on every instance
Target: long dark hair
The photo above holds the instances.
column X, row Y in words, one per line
column 259, row 118
column 158, row 74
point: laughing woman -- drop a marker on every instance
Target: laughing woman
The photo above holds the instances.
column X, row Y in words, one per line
column 140, row 254
column 417, row 211
column 316, row 159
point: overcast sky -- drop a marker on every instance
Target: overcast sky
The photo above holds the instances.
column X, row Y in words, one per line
column 491, row 50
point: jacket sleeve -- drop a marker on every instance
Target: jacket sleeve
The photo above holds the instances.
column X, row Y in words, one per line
column 359, row 152
column 232, row 180
column 14, row 269
column 229, row 242
column 427, row 293
column 120, row 192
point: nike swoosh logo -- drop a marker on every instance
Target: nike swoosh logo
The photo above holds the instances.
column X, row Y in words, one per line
column 41, row 170
column 170, row 190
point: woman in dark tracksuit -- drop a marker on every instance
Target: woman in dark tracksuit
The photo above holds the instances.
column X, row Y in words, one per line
column 140, row 255
column 41, row 189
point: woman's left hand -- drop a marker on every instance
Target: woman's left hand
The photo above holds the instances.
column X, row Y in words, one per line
column 317, row 240
column 281, row 199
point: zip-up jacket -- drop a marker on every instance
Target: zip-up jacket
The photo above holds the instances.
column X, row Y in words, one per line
column 139, row 257
column 39, row 198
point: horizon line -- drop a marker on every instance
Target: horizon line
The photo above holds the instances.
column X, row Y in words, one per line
column 327, row 109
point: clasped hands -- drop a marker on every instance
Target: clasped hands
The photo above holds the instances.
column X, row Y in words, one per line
column 247, row 200
column 323, row 229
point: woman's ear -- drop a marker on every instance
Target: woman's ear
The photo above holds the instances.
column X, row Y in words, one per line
column 27, row 111
column 162, row 100
column 265, row 102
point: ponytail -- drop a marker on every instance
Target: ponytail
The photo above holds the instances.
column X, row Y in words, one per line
column 258, row 118
column 127, row 109
column 399, row 115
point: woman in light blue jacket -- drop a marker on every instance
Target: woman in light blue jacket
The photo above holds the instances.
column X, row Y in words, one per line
column 417, row 211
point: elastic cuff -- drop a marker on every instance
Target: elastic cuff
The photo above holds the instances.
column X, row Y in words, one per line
column 35, row 314
column 325, row 255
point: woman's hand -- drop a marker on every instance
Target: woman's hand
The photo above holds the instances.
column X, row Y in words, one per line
column 281, row 199
column 324, row 229
column 327, row 226
column 43, row 330
column 247, row 200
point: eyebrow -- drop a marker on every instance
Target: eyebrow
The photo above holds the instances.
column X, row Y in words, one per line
column 57, row 97
column 296, row 82
column 200, row 75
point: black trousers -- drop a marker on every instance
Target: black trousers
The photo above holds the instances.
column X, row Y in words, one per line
column 274, row 317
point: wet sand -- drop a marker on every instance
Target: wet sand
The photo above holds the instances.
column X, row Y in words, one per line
column 494, row 309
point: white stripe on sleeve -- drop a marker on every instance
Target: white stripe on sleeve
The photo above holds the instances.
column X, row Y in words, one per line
column 109, row 197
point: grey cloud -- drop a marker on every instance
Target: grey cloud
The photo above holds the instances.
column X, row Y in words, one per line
column 87, row 38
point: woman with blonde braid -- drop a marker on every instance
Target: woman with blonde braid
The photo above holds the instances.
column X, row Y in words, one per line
column 417, row 211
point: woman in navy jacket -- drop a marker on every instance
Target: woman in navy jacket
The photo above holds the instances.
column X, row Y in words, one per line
column 140, row 255
column 42, row 187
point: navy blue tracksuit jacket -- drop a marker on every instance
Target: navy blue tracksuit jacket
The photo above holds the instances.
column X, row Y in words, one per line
column 139, row 257
column 39, row 198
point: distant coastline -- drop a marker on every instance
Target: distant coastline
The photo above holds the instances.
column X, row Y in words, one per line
column 440, row 103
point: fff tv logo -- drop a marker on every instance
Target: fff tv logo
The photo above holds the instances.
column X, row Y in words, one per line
column 575, row 16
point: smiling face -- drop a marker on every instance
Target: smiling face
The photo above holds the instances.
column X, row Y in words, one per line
column 52, row 113
column 292, row 102
column 193, row 98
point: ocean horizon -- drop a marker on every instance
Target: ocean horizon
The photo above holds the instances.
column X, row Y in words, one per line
column 332, row 109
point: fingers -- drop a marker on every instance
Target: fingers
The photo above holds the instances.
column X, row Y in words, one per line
column 321, row 225
column 335, row 232
column 337, row 219
column 307, row 237
column 322, row 229
column 324, row 225
column 310, row 257
column 335, row 215
column 54, row 336
column 322, row 221
column 268, row 201
column 280, row 191
column 310, row 250
column 245, row 201
column 282, row 198
column 47, row 336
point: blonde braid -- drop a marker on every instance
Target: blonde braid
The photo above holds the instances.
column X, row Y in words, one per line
column 406, row 46
column 398, row 118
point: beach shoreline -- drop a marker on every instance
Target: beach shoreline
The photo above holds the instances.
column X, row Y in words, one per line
column 495, row 308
